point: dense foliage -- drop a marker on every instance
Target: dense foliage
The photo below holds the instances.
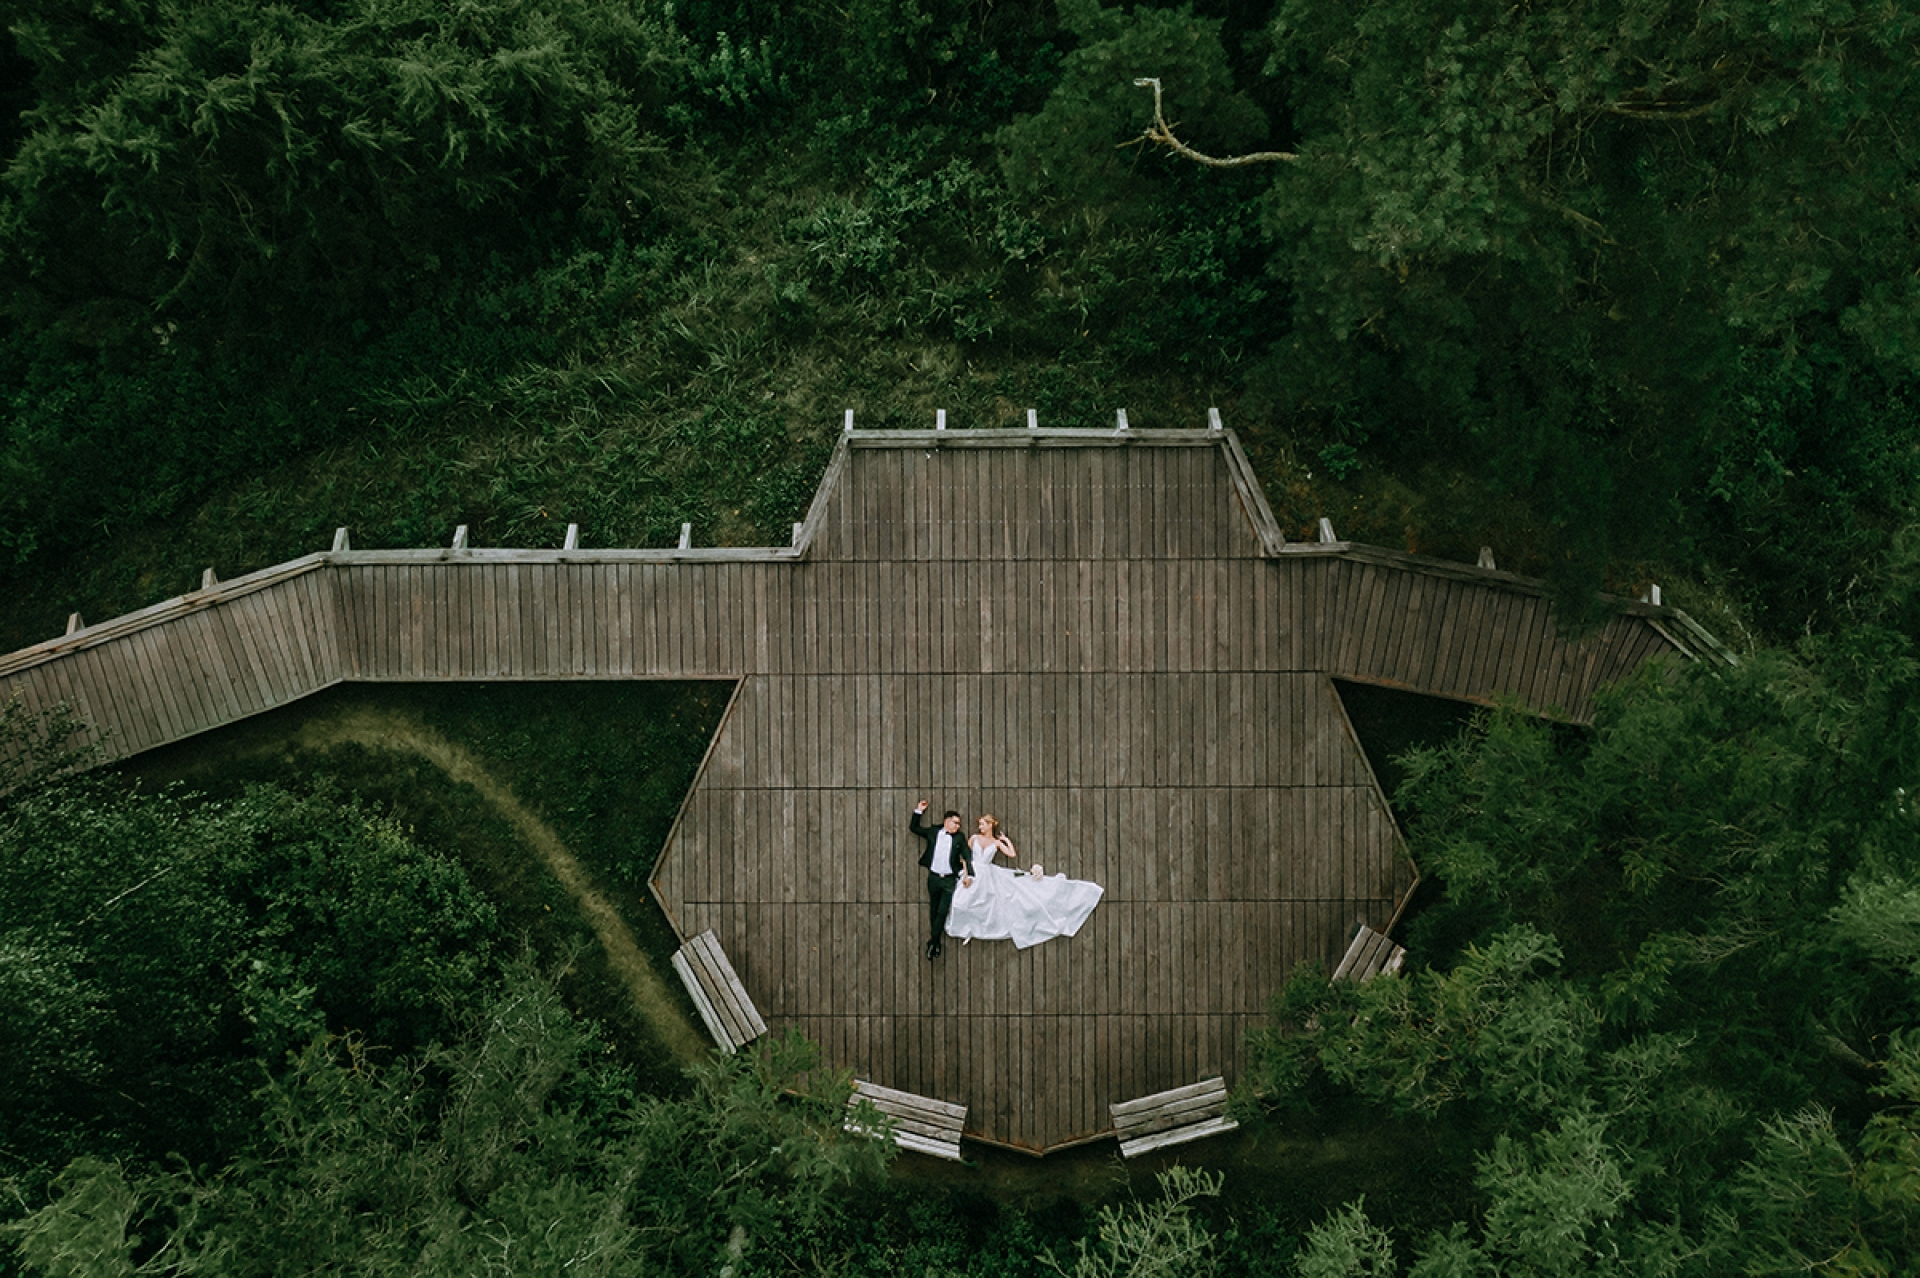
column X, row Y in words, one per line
column 161, row 950
column 1665, row 1007
column 1573, row 240
column 511, row 1145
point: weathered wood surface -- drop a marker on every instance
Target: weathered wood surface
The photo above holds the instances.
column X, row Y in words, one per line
column 1100, row 648
column 219, row 654
column 1368, row 955
column 1172, row 1117
column 723, row 1003
column 1102, row 639
column 920, row 1123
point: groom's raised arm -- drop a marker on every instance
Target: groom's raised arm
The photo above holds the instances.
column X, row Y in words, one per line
column 914, row 823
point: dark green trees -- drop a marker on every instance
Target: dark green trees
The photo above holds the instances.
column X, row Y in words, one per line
column 516, row 1144
column 1570, row 240
column 1667, row 994
column 282, row 165
column 1643, row 270
column 156, row 955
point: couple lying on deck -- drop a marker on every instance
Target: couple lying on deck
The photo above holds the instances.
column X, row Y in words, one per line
column 971, row 898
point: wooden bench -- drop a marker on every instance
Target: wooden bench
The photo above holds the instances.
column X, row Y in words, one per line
column 1368, row 955
column 920, row 1123
column 722, row 1001
column 1172, row 1117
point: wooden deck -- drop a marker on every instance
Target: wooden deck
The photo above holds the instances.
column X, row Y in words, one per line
column 1101, row 639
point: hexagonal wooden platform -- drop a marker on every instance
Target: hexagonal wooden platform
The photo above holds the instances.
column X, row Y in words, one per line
column 1100, row 637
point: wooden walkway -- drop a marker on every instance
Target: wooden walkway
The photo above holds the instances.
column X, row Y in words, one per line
column 1102, row 639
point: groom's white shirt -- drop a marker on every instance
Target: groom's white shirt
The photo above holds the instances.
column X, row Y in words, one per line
column 942, row 853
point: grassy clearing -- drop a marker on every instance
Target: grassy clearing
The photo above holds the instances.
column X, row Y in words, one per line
column 556, row 797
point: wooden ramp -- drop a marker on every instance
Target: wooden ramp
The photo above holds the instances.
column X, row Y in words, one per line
column 1103, row 639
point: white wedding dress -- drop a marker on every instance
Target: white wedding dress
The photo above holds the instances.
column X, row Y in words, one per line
column 1002, row 905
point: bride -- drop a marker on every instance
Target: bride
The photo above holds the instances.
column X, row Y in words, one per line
column 999, row 904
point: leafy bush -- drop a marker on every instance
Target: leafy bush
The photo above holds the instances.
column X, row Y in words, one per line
column 156, row 949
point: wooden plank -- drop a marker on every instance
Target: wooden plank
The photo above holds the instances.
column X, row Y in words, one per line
column 740, row 1022
column 1488, row 635
column 404, row 598
column 361, row 603
column 182, row 666
column 1490, row 650
column 484, row 603
column 269, row 630
column 1178, row 1136
column 1528, row 651
column 391, row 620
column 143, row 649
column 83, row 680
column 1167, row 1108
column 322, row 589
column 300, row 630
column 1381, row 628
column 384, row 638
column 294, row 604
column 709, row 1014
column 342, row 584
column 567, row 628
column 501, row 631
column 1360, row 613
column 594, row 616
column 238, row 696
column 1408, row 660
column 1542, row 669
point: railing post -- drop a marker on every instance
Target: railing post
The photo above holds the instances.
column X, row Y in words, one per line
column 1213, row 421
column 1326, row 531
column 796, row 533
column 573, row 538
column 340, row 542
column 1033, row 419
column 460, row 537
column 75, row 623
column 686, row 536
column 207, row 580
column 849, row 426
column 1486, row 557
column 940, row 419
column 1120, row 416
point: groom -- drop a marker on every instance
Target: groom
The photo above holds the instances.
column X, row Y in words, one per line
column 944, row 861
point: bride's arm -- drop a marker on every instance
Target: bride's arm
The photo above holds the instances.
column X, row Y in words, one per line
column 1013, row 854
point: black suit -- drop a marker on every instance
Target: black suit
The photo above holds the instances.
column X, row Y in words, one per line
column 940, row 886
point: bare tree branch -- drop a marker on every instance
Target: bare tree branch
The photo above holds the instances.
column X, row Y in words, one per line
column 1161, row 133
column 1658, row 110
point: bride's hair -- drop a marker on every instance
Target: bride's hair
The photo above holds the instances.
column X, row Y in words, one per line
column 993, row 824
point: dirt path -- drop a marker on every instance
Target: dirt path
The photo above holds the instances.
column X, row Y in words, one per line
column 629, row 963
